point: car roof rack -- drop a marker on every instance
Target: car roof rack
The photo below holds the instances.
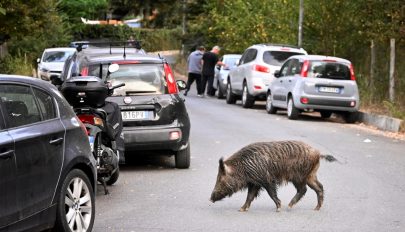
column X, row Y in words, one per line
column 124, row 44
column 279, row 45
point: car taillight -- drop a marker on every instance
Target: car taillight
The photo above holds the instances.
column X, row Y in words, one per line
column 352, row 76
column 304, row 70
column 171, row 83
column 261, row 68
column 304, row 100
column 84, row 71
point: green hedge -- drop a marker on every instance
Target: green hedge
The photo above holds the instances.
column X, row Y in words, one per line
column 152, row 40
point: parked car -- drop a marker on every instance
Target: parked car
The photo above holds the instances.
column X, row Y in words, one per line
column 48, row 174
column 221, row 73
column 51, row 63
column 251, row 78
column 320, row 83
column 154, row 115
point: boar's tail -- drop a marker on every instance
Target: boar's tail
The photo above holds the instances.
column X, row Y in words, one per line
column 329, row 158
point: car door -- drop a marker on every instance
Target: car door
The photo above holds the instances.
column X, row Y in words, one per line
column 38, row 135
column 278, row 86
column 243, row 69
column 8, row 183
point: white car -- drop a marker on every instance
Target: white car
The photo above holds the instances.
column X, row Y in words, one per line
column 250, row 80
column 51, row 63
column 222, row 73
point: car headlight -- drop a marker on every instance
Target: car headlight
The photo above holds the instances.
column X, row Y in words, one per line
column 43, row 69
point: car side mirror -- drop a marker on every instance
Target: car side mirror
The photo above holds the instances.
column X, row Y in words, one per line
column 181, row 84
column 277, row 73
column 38, row 60
column 113, row 68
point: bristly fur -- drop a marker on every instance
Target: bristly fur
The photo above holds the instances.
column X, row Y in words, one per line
column 267, row 165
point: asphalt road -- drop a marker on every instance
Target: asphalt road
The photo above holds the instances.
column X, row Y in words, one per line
column 364, row 191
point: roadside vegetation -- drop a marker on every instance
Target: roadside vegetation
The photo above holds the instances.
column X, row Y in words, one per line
column 337, row 28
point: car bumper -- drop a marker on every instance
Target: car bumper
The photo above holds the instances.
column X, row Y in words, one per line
column 322, row 103
column 155, row 138
column 258, row 86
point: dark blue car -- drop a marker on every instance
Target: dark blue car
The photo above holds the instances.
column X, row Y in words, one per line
column 47, row 171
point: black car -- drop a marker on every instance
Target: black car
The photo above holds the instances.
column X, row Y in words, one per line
column 154, row 115
column 47, row 171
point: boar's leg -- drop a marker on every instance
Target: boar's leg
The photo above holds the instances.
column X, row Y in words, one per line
column 301, row 190
column 272, row 191
column 314, row 184
column 253, row 191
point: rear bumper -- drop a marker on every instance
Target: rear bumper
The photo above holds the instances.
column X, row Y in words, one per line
column 155, row 137
column 317, row 103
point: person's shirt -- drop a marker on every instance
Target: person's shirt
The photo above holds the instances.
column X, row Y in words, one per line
column 194, row 62
column 210, row 60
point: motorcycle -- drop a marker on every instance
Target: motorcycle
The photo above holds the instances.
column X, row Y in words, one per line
column 102, row 120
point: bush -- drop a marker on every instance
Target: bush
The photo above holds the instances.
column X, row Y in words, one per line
column 16, row 65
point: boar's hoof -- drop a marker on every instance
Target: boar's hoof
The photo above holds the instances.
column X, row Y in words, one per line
column 317, row 208
column 243, row 209
column 278, row 210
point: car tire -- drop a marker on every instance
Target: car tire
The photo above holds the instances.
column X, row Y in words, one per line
column 247, row 100
column 230, row 97
column 114, row 177
column 292, row 111
column 350, row 117
column 76, row 200
column 326, row 114
column 221, row 94
column 182, row 158
column 269, row 105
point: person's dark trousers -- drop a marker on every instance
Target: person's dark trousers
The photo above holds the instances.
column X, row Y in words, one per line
column 191, row 78
column 208, row 82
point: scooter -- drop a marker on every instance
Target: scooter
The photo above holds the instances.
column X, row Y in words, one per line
column 102, row 120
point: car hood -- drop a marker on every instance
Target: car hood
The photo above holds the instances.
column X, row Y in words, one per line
column 53, row 66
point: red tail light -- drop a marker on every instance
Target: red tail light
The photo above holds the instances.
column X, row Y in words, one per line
column 304, row 70
column 88, row 118
column 84, row 71
column 261, row 68
column 352, row 76
column 304, row 100
column 84, row 129
column 171, row 83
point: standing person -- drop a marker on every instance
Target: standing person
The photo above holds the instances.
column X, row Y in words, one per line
column 194, row 70
column 210, row 60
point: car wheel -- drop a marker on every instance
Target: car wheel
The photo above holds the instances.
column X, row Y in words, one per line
column 350, row 117
column 269, row 105
column 220, row 92
column 114, row 177
column 230, row 97
column 247, row 100
column 75, row 210
column 182, row 158
column 326, row 114
column 292, row 111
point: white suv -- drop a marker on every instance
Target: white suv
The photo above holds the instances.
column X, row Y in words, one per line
column 250, row 80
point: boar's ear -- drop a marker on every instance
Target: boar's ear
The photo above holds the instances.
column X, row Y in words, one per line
column 222, row 165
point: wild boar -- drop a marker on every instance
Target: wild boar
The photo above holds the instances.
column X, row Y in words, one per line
column 267, row 165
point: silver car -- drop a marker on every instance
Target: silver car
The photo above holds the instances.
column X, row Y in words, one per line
column 251, row 78
column 50, row 65
column 222, row 72
column 315, row 83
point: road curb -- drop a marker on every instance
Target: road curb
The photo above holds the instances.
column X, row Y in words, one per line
column 382, row 122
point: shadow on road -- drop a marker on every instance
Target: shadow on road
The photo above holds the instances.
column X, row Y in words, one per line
column 147, row 160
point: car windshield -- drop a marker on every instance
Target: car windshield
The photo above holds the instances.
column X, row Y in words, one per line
column 56, row 56
column 139, row 79
column 330, row 70
column 277, row 58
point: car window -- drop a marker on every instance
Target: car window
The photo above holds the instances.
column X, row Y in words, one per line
column 250, row 55
column 330, row 70
column 284, row 69
column 139, row 79
column 20, row 106
column 295, row 67
column 46, row 104
column 56, row 56
column 277, row 57
column 231, row 62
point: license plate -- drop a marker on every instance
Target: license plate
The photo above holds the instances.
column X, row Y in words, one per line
column 136, row 115
column 325, row 89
